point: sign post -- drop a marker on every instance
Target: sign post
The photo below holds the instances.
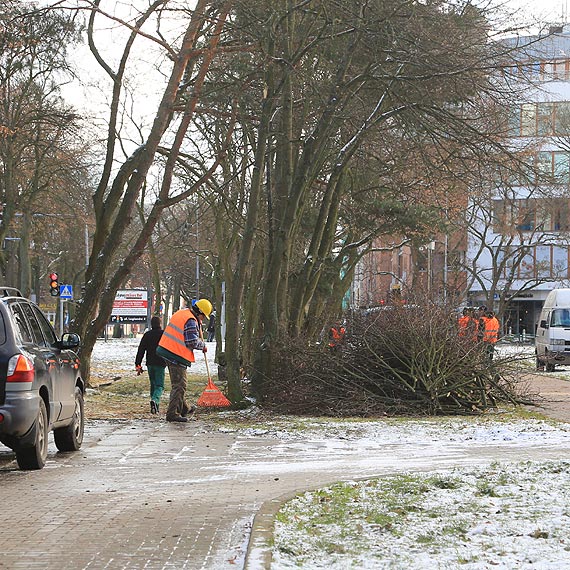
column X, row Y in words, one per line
column 65, row 293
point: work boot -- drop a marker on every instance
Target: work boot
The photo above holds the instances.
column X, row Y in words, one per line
column 180, row 419
column 188, row 411
column 153, row 407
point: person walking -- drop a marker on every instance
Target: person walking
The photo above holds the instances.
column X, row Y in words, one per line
column 177, row 344
column 211, row 330
column 154, row 363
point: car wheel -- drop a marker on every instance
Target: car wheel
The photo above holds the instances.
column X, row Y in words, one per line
column 34, row 457
column 70, row 438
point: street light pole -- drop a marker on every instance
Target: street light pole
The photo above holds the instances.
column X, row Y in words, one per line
column 197, row 265
column 445, row 253
column 197, row 259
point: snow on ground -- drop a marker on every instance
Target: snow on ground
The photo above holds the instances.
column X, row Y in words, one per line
column 505, row 516
column 118, row 355
column 509, row 515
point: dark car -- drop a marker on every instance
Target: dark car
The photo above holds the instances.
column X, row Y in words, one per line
column 40, row 385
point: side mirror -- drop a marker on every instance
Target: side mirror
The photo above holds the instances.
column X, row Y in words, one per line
column 69, row 340
column 543, row 324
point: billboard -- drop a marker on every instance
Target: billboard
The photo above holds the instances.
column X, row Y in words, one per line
column 130, row 306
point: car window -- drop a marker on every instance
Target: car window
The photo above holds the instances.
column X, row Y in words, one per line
column 22, row 326
column 34, row 325
column 47, row 329
column 2, row 329
column 560, row 318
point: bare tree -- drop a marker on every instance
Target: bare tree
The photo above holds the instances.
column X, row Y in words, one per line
column 187, row 58
column 40, row 152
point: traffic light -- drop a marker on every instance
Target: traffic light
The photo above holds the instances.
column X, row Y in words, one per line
column 53, row 285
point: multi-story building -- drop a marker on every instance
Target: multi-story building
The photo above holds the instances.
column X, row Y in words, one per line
column 396, row 269
column 519, row 235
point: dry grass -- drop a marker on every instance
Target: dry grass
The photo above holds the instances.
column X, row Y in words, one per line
column 128, row 397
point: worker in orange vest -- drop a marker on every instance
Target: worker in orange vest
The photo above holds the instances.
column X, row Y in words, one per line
column 490, row 332
column 180, row 339
column 336, row 336
column 467, row 324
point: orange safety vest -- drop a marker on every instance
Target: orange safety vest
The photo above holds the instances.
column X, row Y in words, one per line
column 491, row 331
column 464, row 323
column 337, row 335
column 172, row 338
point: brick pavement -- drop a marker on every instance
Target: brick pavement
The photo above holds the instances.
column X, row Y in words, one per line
column 148, row 494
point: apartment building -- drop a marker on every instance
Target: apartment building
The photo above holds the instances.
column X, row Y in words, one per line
column 519, row 244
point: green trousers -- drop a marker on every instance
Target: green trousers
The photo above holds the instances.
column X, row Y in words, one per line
column 156, row 376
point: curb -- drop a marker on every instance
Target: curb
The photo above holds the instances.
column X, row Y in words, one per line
column 259, row 553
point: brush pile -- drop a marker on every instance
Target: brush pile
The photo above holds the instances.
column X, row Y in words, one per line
column 397, row 360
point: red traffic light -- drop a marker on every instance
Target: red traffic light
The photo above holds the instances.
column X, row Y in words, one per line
column 53, row 284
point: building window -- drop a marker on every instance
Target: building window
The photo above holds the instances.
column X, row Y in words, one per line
column 553, row 167
column 514, row 122
column 561, row 167
column 542, row 119
column 545, row 119
column 525, row 215
column 560, row 262
column 558, row 69
column 562, row 118
column 538, row 262
column 530, row 70
column 543, row 262
column 528, row 120
column 527, row 266
column 555, row 70
column 531, row 215
column 560, row 215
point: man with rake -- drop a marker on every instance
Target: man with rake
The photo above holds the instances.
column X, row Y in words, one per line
column 177, row 344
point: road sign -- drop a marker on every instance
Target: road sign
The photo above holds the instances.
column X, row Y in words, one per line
column 66, row 291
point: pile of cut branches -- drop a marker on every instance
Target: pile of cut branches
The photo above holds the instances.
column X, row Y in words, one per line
column 397, row 360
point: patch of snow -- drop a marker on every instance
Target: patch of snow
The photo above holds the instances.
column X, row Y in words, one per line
column 503, row 516
column 119, row 354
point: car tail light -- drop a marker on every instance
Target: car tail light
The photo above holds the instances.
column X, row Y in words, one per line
column 1, row 418
column 20, row 369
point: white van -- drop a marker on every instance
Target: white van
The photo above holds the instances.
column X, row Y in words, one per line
column 552, row 342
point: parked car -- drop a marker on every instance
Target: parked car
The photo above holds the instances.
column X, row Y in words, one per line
column 552, row 341
column 40, row 385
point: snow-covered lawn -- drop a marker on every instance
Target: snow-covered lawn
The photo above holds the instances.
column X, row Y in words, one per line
column 504, row 516
column 116, row 356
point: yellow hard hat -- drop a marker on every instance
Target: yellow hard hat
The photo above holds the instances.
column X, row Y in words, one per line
column 204, row 306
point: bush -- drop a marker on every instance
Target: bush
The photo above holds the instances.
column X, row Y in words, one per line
column 396, row 360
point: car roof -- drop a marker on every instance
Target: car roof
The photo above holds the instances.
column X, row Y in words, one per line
column 10, row 292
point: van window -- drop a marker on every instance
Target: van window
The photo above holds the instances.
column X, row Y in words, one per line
column 560, row 318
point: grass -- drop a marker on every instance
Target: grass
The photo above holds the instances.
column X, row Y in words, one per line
column 128, row 397
column 454, row 518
